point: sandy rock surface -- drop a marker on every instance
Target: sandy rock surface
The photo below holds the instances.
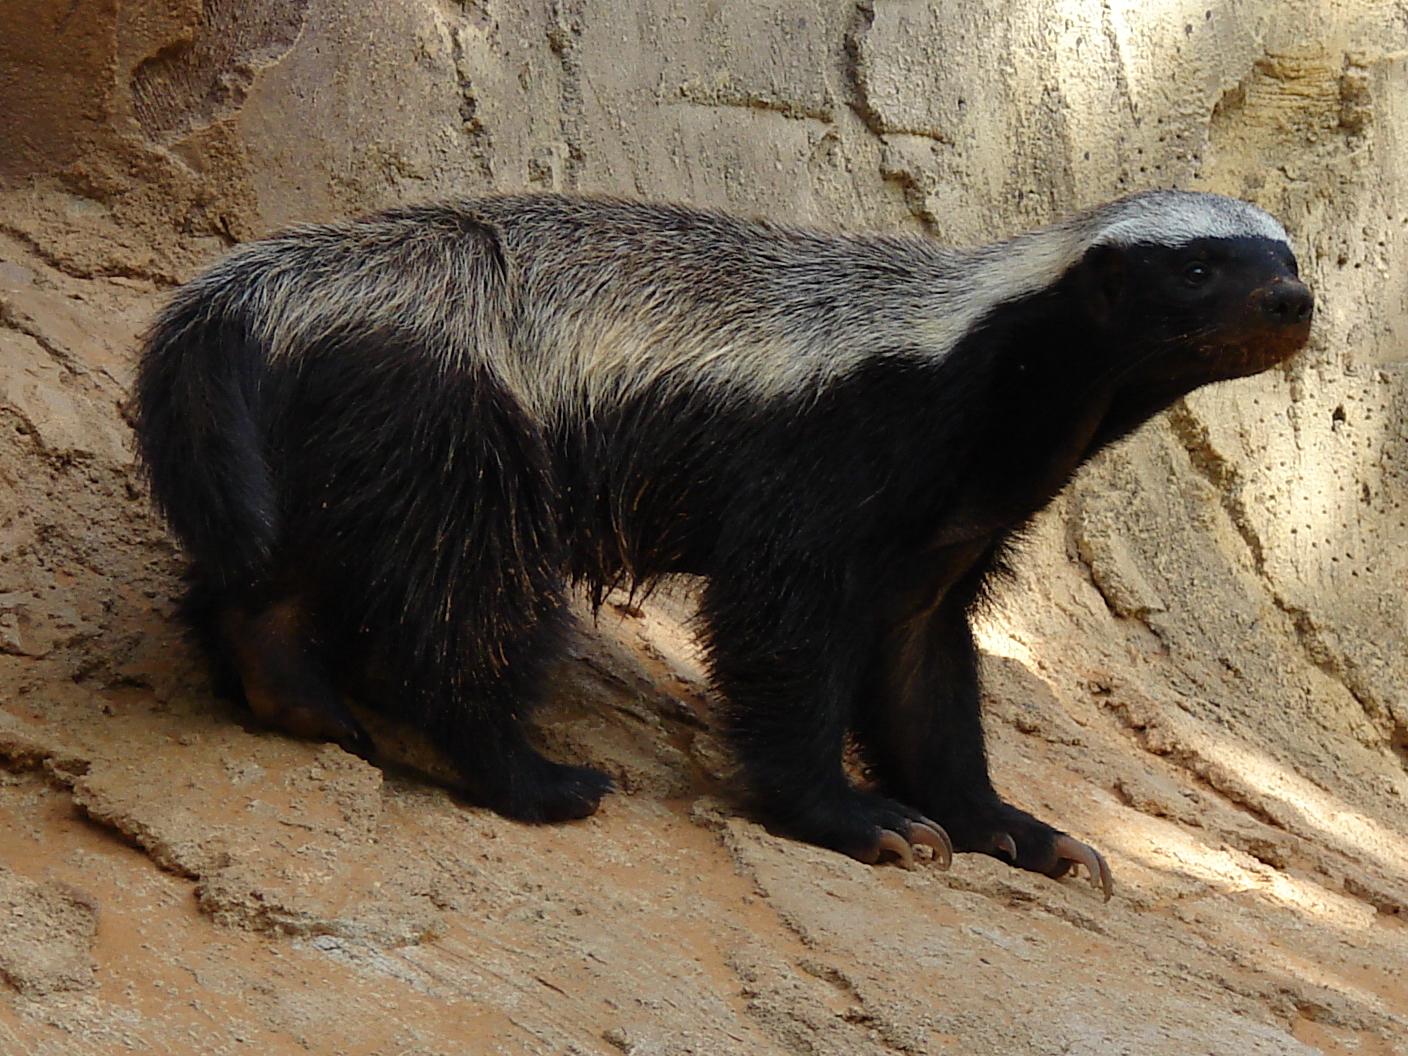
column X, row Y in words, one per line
column 1200, row 668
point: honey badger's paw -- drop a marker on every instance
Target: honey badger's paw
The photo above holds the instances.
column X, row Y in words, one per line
column 540, row 791
column 900, row 845
column 1019, row 839
column 869, row 828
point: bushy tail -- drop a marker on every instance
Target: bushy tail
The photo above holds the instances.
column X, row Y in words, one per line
column 201, row 432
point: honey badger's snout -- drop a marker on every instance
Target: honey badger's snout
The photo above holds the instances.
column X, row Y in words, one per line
column 1278, row 321
column 1267, row 320
column 1286, row 302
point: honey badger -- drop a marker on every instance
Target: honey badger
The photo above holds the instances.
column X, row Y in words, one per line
column 389, row 445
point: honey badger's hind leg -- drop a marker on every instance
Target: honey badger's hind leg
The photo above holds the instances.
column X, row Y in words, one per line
column 201, row 413
column 425, row 499
column 260, row 651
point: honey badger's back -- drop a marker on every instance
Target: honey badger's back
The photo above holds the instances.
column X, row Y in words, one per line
column 613, row 297
column 582, row 299
column 567, row 308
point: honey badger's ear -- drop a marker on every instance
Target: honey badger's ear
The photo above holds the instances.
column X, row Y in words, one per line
column 1100, row 281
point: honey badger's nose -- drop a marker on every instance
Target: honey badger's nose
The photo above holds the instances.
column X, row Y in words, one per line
column 1288, row 302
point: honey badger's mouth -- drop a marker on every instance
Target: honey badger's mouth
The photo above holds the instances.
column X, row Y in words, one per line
column 1254, row 349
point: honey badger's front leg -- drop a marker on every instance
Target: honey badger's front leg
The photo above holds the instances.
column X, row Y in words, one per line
column 806, row 652
column 919, row 721
column 788, row 643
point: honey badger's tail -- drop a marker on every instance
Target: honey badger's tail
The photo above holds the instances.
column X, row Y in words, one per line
column 200, row 427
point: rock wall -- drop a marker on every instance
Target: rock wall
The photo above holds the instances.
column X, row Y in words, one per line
column 1200, row 669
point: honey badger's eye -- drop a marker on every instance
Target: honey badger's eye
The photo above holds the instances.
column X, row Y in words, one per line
column 1196, row 272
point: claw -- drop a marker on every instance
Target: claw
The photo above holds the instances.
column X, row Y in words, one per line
column 1007, row 845
column 931, row 834
column 1072, row 852
column 896, row 844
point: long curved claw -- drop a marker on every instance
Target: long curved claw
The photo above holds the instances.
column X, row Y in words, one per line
column 897, row 845
column 931, row 834
column 1071, row 852
column 1007, row 845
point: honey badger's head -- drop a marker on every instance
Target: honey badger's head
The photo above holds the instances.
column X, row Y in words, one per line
column 1200, row 289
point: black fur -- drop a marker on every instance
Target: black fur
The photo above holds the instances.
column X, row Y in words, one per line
column 369, row 516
